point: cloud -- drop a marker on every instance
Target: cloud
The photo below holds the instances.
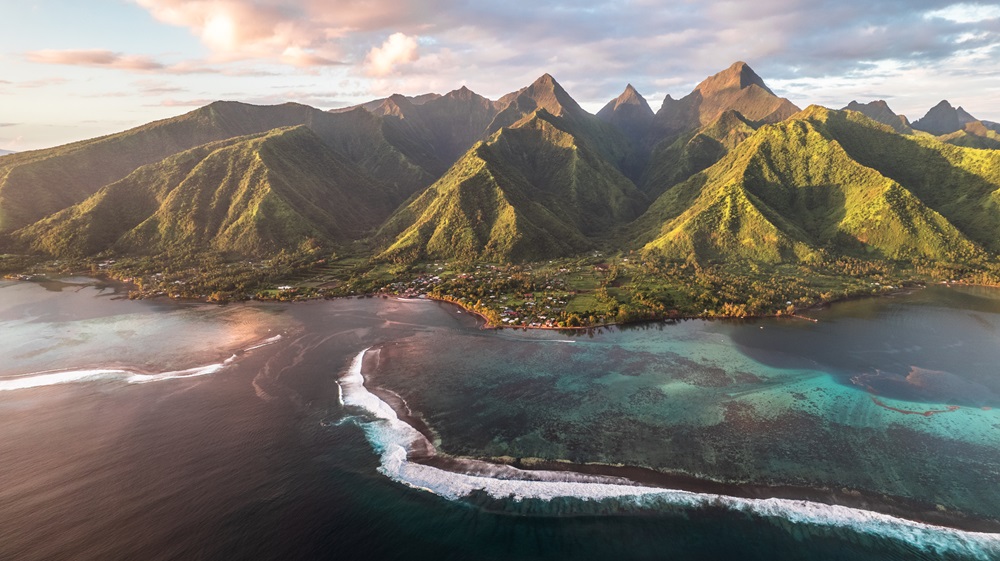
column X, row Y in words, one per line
column 822, row 50
column 296, row 33
column 593, row 45
column 2, row 125
column 94, row 57
column 155, row 87
column 183, row 102
column 398, row 49
column 43, row 83
column 966, row 13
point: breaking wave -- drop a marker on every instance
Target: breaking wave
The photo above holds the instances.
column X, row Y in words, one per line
column 394, row 440
column 54, row 377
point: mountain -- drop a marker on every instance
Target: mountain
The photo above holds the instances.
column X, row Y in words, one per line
column 532, row 191
column 961, row 184
column 879, row 111
column 793, row 189
column 37, row 183
column 671, row 163
column 6, row 152
column 943, row 119
column 737, row 88
column 439, row 130
column 730, row 172
column 250, row 196
column 374, row 104
column 546, row 94
column 630, row 113
column 975, row 134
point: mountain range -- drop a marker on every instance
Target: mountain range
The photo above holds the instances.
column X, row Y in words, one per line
column 730, row 171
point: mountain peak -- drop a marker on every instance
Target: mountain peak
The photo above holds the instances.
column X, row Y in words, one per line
column 462, row 93
column 631, row 96
column 629, row 112
column 738, row 76
column 546, row 93
column 396, row 105
column 943, row 118
column 546, row 79
column 880, row 112
column 737, row 87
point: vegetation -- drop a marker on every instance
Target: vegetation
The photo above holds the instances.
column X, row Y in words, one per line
column 526, row 210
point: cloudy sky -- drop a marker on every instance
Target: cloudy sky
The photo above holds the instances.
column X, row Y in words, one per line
column 74, row 70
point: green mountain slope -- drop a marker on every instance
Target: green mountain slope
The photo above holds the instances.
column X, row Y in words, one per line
column 41, row 182
column 95, row 224
column 974, row 135
column 671, row 163
column 789, row 190
column 251, row 196
column 37, row 183
column 961, row 184
column 532, row 191
column 359, row 136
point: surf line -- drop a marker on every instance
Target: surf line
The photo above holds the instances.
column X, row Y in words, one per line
column 53, row 377
column 394, row 440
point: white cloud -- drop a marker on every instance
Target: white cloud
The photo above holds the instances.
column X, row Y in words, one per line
column 966, row 13
column 398, row 49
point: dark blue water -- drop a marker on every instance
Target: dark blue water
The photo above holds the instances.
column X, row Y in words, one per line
column 258, row 460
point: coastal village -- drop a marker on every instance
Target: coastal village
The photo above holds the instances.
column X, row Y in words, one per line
column 586, row 291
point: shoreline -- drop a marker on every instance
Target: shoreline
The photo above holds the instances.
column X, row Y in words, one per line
column 486, row 324
column 899, row 507
column 124, row 289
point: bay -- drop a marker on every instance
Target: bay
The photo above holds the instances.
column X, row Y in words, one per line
column 207, row 432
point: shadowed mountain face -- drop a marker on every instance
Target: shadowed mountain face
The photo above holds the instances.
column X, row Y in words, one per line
column 943, row 119
column 729, row 172
column 880, row 112
column 630, row 113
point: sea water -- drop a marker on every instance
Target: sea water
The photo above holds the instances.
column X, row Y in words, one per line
column 248, row 447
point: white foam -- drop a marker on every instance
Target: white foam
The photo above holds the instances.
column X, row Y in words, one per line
column 265, row 342
column 69, row 376
column 51, row 378
column 393, row 439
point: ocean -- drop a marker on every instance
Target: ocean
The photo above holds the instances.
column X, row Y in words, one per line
column 391, row 429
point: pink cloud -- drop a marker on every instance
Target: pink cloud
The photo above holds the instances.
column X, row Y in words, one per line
column 298, row 33
column 398, row 49
column 94, row 57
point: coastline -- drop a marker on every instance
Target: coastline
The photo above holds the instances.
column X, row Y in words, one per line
column 486, row 324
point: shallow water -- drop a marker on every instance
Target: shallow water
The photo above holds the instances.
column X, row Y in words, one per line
column 259, row 459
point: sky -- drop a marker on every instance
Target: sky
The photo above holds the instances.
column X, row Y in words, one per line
column 71, row 70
